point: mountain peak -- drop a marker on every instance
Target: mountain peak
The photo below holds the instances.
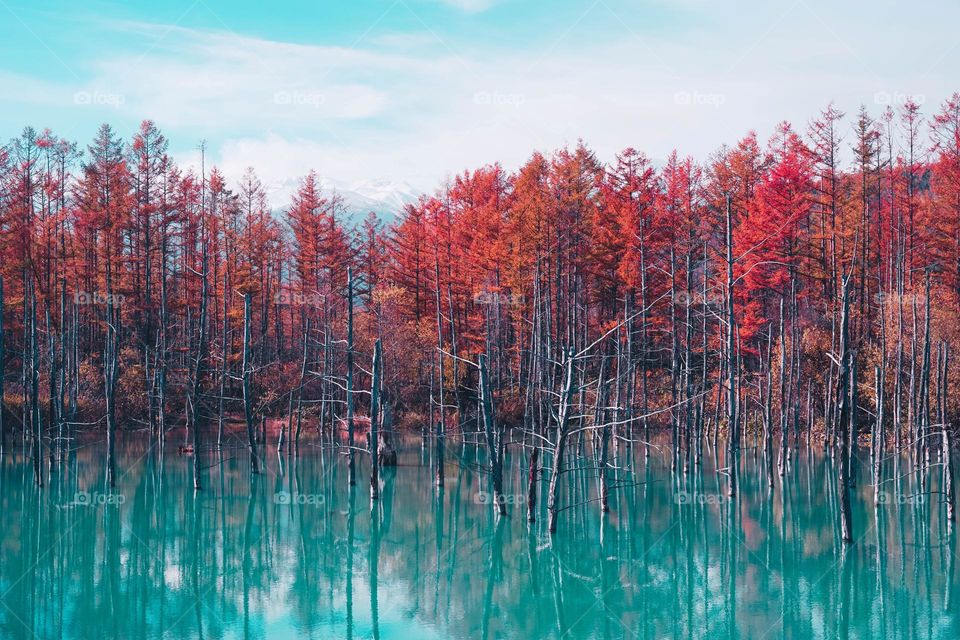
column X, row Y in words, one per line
column 384, row 197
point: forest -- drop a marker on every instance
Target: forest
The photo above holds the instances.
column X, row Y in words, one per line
column 800, row 291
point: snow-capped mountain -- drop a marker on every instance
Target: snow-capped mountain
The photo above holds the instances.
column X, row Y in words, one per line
column 386, row 198
column 389, row 193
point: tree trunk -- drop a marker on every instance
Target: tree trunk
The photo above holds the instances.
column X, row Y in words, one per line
column 351, row 466
column 110, row 358
column 879, row 444
column 842, row 427
column 946, row 443
column 247, row 391
column 782, row 466
column 198, row 373
column 492, row 435
column 35, row 403
column 162, row 351
column 601, row 415
column 733, row 434
column 854, row 422
column 224, row 362
column 442, row 422
column 375, row 382
column 559, row 450
column 3, row 428
column 303, row 373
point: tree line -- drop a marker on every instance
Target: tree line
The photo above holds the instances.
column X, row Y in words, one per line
column 803, row 289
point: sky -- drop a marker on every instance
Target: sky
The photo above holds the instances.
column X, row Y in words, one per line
column 414, row 91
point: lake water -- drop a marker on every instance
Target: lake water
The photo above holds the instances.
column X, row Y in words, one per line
column 296, row 553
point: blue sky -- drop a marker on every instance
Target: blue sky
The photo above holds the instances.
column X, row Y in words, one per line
column 414, row 90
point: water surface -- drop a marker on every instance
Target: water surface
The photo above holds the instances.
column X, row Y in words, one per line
column 296, row 553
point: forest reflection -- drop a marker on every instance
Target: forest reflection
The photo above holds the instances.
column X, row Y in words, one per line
column 297, row 553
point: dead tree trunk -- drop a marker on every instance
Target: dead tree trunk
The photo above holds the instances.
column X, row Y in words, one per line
column 946, row 442
column 704, row 347
column 456, row 362
column 35, row 402
column 492, row 435
column 768, row 410
column 842, row 427
column 303, row 374
column 224, row 361
column 733, row 433
column 3, row 428
column 198, row 373
column 110, row 364
column 374, row 421
column 601, row 416
column 164, row 340
column 351, row 466
column 782, row 466
column 53, row 415
column 247, row 391
column 442, row 422
column 879, row 444
column 61, row 370
column 854, row 422
column 923, row 399
column 559, row 450
column 537, row 420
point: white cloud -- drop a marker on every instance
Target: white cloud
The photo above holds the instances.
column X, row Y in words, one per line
column 220, row 81
column 403, row 110
column 421, row 118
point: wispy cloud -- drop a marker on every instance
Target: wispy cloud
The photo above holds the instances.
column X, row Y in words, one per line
column 418, row 104
column 223, row 81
